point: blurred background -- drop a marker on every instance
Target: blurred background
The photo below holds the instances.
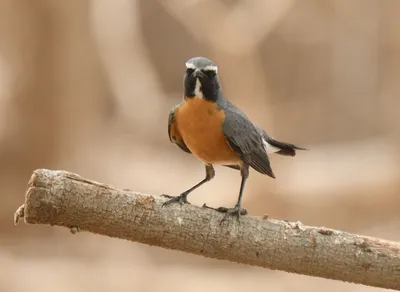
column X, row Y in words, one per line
column 86, row 86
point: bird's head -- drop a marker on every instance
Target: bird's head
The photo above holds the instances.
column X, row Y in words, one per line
column 201, row 79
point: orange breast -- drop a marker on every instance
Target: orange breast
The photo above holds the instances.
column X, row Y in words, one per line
column 199, row 123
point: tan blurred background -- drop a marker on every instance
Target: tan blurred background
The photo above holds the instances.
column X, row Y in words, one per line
column 87, row 86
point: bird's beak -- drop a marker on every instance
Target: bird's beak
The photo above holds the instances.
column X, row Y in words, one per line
column 197, row 73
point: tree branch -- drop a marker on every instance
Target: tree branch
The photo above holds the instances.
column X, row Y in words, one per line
column 66, row 199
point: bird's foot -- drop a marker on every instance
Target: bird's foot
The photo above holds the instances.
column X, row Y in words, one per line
column 243, row 211
column 236, row 211
column 181, row 199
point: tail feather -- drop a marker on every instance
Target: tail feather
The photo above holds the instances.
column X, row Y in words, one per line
column 281, row 148
column 286, row 149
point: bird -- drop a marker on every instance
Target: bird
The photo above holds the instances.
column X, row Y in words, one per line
column 217, row 132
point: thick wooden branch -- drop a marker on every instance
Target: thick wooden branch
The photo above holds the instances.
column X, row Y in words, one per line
column 66, row 199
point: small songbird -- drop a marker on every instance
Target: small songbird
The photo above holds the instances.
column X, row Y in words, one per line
column 218, row 133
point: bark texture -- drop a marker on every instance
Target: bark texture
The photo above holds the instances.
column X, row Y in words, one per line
column 66, row 199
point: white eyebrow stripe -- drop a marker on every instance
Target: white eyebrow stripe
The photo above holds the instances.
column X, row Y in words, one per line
column 207, row 68
column 190, row 66
column 211, row 68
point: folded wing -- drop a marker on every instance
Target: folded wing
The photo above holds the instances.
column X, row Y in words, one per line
column 243, row 136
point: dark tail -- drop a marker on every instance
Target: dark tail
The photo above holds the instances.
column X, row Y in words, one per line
column 286, row 149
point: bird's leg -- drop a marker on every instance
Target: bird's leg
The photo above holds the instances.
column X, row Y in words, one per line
column 237, row 210
column 182, row 198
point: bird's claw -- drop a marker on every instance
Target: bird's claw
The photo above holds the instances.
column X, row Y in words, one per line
column 243, row 211
column 236, row 211
column 181, row 199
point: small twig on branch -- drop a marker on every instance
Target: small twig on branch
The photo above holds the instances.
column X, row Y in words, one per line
column 66, row 199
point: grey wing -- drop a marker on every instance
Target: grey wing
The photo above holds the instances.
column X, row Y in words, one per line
column 245, row 139
column 173, row 132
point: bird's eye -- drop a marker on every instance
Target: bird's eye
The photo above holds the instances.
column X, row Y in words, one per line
column 210, row 73
column 189, row 71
